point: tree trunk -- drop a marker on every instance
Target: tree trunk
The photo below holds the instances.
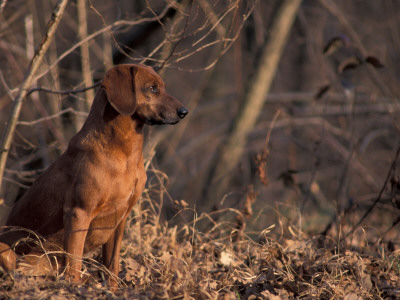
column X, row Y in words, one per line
column 85, row 61
column 258, row 88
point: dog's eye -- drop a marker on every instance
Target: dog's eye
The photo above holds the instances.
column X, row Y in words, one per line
column 153, row 89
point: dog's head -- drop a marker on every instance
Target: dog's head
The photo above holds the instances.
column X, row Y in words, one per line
column 138, row 91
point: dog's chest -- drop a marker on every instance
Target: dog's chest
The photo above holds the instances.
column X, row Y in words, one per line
column 117, row 190
column 106, row 221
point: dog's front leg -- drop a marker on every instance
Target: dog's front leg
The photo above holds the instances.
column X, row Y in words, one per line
column 111, row 252
column 76, row 226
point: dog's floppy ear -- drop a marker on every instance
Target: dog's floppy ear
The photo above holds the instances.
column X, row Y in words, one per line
column 119, row 85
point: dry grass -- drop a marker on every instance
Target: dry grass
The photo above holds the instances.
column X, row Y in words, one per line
column 182, row 262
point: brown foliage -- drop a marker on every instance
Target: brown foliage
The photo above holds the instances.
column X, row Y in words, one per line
column 182, row 262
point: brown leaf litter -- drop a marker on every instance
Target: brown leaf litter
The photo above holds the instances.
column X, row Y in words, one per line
column 184, row 263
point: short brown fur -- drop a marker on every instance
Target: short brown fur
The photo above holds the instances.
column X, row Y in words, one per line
column 83, row 199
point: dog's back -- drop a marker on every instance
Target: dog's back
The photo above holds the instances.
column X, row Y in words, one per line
column 83, row 199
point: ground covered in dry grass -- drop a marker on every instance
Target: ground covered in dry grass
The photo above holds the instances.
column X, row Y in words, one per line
column 223, row 262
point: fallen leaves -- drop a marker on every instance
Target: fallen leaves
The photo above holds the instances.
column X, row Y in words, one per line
column 165, row 263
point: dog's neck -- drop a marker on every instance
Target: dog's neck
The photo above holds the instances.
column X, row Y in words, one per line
column 110, row 127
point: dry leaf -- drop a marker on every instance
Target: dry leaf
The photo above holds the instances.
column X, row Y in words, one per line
column 269, row 296
column 250, row 199
column 226, row 258
column 374, row 62
column 333, row 45
column 287, row 178
column 322, row 91
column 261, row 164
column 349, row 63
column 352, row 296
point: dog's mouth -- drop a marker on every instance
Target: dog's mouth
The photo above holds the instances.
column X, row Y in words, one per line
column 160, row 122
column 163, row 118
column 155, row 121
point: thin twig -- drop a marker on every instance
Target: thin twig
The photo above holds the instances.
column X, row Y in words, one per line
column 378, row 199
column 227, row 43
column 63, row 92
column 23, row 186
column 56, row 115
column 95, row 34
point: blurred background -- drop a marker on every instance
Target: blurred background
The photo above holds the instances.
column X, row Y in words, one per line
column 293, row 104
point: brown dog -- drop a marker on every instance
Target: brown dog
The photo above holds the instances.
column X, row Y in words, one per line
column 83, row 199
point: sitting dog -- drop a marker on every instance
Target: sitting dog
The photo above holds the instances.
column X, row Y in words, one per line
column 83, row 199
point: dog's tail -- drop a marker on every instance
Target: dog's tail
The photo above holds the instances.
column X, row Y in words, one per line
column 8, row 258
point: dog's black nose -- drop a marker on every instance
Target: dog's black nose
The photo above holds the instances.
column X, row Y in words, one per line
column 182, row 112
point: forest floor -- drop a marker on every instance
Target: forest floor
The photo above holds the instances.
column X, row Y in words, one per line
column 224, row 261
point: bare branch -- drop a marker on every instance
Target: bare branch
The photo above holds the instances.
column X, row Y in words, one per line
column 99, row 32
column 216, row 22
column 29, row 78
column 23, row 186
column 64, row 92
column 378, row 199
column 61, row 112
column 227, row 43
